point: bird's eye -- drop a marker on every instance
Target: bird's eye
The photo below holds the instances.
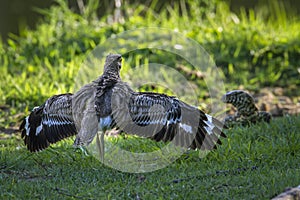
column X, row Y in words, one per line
column 120, row 63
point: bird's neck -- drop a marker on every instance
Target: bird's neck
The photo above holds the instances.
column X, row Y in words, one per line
column 113, row 76
column 108, row 77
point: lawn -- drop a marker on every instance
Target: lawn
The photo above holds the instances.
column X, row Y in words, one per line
column 254, row 162
column 253, row 49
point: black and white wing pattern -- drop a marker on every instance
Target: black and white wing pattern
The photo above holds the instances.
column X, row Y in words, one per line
column 49, row 123
column 165, row 118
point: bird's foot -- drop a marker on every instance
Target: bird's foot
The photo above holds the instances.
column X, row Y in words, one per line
column 82, row 149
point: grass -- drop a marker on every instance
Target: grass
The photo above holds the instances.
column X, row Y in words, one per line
column 252, row 50
column 254, row 162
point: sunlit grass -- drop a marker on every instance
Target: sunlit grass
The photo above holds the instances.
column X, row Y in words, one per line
column 254, row 162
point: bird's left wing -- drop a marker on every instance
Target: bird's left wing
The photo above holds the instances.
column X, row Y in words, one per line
column 49, row 123
column 57, row 118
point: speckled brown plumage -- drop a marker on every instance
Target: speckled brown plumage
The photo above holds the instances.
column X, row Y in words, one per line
column 247, row 112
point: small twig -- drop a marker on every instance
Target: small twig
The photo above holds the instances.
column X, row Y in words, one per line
column 193, row 74
column 15, row 163
column 39, row 164
column 67, row 193
column 218, row 173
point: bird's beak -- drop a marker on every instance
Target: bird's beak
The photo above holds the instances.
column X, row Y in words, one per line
column 224, row 99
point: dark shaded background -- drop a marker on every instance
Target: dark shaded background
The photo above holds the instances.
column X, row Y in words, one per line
column 15, row 14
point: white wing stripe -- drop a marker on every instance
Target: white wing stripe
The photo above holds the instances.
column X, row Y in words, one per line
column 52, row 122
column 27, row 126
column 186, row 127
column 39, row 129
column 210, row 126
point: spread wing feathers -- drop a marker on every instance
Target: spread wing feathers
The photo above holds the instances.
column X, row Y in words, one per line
column 32, row 125
column 165, row 118
column 48, row 123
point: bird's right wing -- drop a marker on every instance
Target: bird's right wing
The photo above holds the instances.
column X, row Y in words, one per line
column 165, row 118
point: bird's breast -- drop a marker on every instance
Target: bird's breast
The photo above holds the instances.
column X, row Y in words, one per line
column 105, row 123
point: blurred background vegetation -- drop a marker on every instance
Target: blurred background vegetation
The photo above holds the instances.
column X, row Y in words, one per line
column 16, row 14
column 255, row 43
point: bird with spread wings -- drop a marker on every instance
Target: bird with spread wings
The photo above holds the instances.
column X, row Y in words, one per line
column 107, row 103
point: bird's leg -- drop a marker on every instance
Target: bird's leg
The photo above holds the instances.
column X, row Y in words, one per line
column 100, row 145
column 83, row 150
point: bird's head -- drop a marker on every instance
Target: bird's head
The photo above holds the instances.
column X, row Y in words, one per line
column 113, row 64
column 236, row 96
